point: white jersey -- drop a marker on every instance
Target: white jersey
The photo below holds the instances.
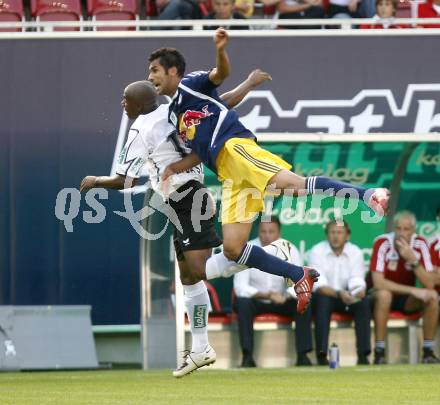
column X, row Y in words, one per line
column 152, row 141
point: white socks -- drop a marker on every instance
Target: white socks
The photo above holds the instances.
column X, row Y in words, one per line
column 197, row 307
column 219, row 266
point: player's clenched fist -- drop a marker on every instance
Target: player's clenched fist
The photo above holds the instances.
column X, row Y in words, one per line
column 221, row 38
column 257, row 76
column 87, row 183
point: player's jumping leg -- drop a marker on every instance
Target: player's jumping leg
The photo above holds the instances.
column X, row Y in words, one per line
column 375, row 198
column 197, row 307
column 219, row 265
column 236, row 248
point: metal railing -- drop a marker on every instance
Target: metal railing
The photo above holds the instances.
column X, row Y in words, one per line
column 201, row 25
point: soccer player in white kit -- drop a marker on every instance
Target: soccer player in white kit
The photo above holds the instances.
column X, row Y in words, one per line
column 153, row 142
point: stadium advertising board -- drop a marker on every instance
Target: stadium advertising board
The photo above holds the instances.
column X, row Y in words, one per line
column 60, row 118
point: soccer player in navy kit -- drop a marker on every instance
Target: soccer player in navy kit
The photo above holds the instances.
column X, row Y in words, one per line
column 152, row 143
column 218, row 139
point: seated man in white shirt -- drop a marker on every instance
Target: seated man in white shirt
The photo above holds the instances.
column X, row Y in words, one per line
column 259, row 293
column 341, row 288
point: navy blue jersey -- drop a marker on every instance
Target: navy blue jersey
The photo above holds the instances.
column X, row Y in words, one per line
column 202, row 119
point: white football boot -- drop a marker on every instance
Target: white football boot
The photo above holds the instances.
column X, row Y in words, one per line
column 283, row 252
column 378, row 201
column 192, row 361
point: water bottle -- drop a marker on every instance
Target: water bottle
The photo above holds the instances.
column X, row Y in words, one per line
column 333, row 354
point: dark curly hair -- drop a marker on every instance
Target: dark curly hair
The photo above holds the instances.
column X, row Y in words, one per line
column 168, row 58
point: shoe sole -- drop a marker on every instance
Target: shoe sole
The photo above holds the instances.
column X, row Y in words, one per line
column 313, row 275
column 383, row 205
column 192, row 371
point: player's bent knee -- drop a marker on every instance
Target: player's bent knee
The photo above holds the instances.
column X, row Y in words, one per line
column 232, row 252
column 433, row 300
column 188, row 276
column 287, row 180
column 383, row 297
column 190, row 279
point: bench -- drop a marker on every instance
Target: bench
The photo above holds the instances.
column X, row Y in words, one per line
column 396, row 320
column 120, row 344
column 273, row 322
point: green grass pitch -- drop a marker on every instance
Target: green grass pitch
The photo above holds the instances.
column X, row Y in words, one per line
column 402, row 384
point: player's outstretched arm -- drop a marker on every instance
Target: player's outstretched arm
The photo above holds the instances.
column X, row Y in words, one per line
column 222, row 68
column 182, row 165
column 116, row 182
column 236, row 95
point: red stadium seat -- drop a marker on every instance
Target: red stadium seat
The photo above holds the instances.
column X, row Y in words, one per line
column 205, row 7
column 52, row 10
column 113, row 10
column 265, row 318
column 11, row 11
column 394, row 315
column 403, row 9
column 341, row 317
column 151, row 9
column 269, row 317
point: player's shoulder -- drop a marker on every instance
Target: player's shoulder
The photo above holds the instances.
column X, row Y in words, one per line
column 420, row 241
column 160, row 113
column 147, row 121
column 162, row 109
column 138, row 123
column 196, row 73
column 194, row 77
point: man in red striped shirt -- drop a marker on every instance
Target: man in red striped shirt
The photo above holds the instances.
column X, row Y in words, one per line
column 434, row 250
column 398, row 259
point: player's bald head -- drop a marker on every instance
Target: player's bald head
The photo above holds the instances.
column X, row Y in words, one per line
column 141, row 92
column 140, row 98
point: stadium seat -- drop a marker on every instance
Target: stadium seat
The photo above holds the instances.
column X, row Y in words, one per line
column 205, row 7
column 11, row 11
column 63, row 10
column 113, row 10
column 265, row 11
column 394, row 315
column 264, row 318
column 269, row 317
column 151, row 9
column 403, row 9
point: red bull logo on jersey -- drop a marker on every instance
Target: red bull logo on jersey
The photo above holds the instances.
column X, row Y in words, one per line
column 189, row 120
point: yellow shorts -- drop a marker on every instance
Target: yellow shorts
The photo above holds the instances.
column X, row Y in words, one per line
column 245, row 169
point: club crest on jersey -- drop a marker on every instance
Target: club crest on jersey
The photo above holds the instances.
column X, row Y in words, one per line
column 189, row 120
